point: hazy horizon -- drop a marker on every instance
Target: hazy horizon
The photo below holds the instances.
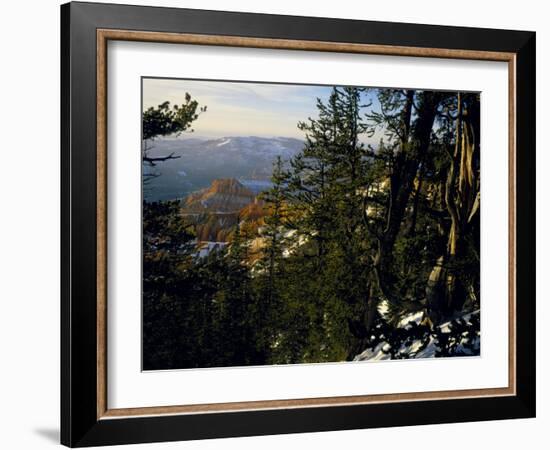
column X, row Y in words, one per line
column 237, row 109
column 212, row 137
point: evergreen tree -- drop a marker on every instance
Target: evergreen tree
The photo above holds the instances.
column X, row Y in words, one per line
column 165, row 121
column 269, row 268
column 237, row 322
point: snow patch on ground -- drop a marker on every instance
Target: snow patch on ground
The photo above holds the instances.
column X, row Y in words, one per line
column 415, row 317
column 376, row 354
column 418, row 348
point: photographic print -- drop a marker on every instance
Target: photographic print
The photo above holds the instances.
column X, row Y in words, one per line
column 291, row 224
column 296, row 215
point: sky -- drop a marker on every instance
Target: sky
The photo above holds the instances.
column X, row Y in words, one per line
column 241, row 108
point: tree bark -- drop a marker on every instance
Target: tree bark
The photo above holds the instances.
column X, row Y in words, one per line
column 414, row 145
column 446, row 291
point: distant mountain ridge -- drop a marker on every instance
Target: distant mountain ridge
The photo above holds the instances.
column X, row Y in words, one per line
column 223, row 195
column 215, row 211
column 248, row 159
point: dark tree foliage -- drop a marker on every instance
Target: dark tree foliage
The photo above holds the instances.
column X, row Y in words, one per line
column 165, row 121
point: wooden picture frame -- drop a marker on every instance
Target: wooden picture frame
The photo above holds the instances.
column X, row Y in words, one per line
column 86, row 418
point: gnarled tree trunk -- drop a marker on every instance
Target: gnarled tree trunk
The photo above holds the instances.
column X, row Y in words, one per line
column 415, row 140
column 446, row 289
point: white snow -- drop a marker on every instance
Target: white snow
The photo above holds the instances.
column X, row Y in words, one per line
column 379, row 353
column 383, row 308
column 374, row 355
column 224, row 142
column 415, row 317
column 206, row 247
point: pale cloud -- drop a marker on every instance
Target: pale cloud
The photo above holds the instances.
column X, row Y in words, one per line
column 240, row 108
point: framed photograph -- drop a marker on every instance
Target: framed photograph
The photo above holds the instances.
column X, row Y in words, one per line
column 276, row 224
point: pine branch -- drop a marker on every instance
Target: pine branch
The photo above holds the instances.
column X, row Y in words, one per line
column 152, row 161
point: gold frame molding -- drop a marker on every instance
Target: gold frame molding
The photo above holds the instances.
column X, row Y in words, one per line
column 105, row 35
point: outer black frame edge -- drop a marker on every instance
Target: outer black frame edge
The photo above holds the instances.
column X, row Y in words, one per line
column 79, row 292
column 525, row 223
column 79, row 426
column 65, row 227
